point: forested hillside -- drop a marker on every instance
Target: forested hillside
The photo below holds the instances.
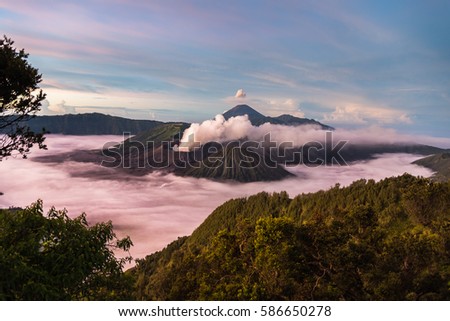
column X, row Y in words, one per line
column 369, row 241
column 439, row 163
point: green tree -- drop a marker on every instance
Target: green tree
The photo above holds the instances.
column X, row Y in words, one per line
column 54, row 257
column 277, row 256
column 387, row 240
column 20, row 100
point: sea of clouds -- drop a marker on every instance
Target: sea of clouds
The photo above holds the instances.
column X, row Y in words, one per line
column 157, row 208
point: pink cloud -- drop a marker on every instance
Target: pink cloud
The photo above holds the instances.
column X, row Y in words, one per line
column 156, row 209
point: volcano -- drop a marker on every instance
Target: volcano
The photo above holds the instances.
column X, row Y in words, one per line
column 242, row 160
column 257, row 119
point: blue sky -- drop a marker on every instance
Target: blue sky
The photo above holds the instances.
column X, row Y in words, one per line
column 345, row 63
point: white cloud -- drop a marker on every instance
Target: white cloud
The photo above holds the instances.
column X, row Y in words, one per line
column 60, row 108
column 346, row 114
column 287, row 106
column 235, row 128
column 218, row 130
column 358, row 114
column 44, row 107
column 240, row 93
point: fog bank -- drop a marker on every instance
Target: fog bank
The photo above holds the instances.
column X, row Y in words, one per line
column 156, row 209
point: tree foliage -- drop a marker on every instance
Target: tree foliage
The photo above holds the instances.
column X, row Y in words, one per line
column 54, row 257
column 369, row 241
column 20, row 100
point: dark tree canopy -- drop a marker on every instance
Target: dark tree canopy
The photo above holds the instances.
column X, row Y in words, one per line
column 20, row 100
column 387, row 240
column 55, row 257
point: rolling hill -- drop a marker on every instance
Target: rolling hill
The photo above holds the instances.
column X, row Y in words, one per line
column 439, row 163
column 368, row 241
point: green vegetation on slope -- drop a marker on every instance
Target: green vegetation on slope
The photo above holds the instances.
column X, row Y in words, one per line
column 370, row 241
column 439, row 163
column 167, row 132
column 54, row 257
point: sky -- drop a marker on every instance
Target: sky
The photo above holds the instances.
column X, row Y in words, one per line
column 349, row 64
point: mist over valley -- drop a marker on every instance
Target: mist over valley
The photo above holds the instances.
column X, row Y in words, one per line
column 156, row 208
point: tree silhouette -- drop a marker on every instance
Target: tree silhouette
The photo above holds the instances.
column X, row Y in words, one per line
column 20, row 100
column 54, row 257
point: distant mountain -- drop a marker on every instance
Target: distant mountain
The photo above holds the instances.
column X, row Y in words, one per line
column 154, row 149
column 290, row 120
column 257, row 119
column 90, row 124
column 439, row 163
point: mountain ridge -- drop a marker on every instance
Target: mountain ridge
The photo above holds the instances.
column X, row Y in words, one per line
column 237, row 160
column 103, row 124
column 439, row 163
column 257, row 119
column 90, row 124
